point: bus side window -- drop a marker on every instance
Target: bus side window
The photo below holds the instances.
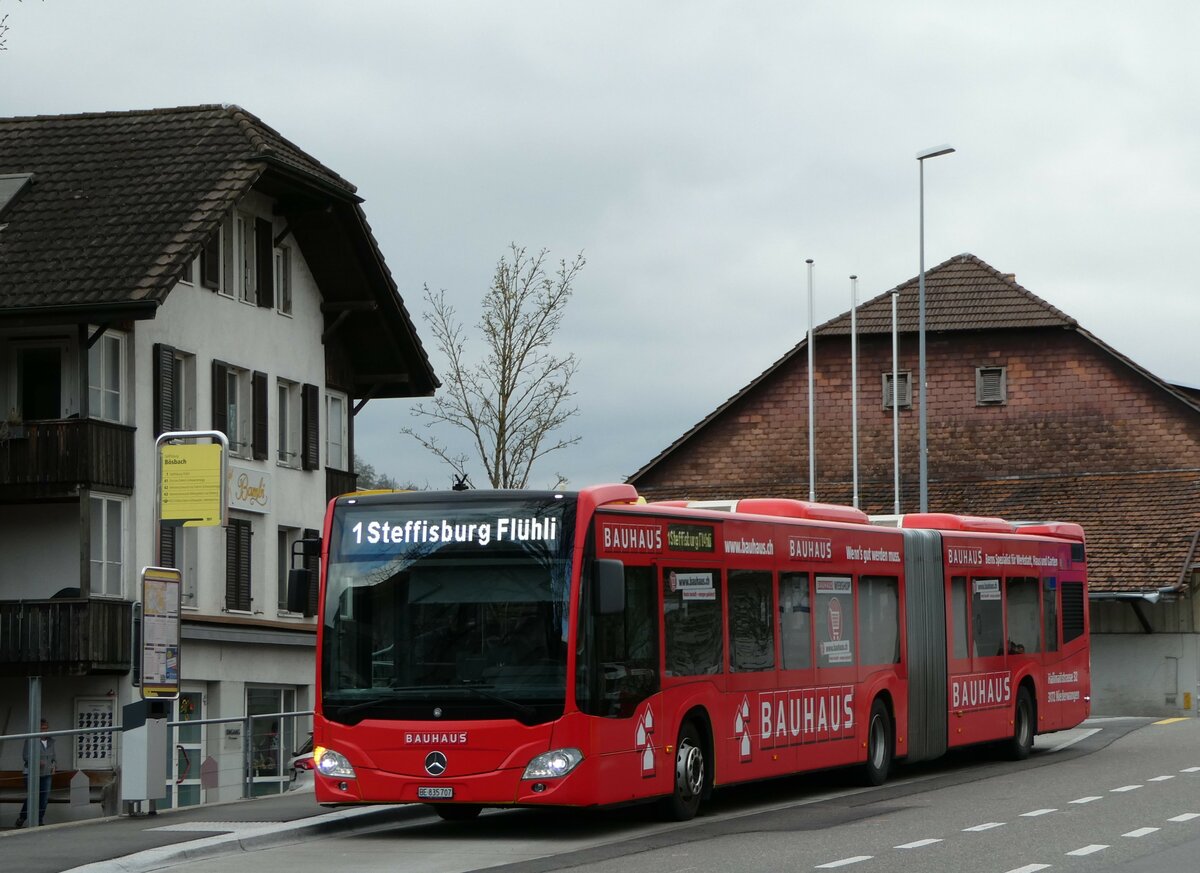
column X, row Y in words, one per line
column 795, row 621
column 987, row 617
column 1023, row 615
column 751, row 622
column 960, row 616
column 1050, row 613
column 692, row 618
column 624, row 651
column 879, row 620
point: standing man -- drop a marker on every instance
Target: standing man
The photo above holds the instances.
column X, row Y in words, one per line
column 46, row 768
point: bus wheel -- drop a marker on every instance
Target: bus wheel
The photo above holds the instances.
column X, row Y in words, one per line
column 1021, row 743
column 457, row 811
column 690, row 773
column 879, row 745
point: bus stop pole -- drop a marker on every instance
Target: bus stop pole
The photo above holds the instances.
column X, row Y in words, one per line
column 33, row 760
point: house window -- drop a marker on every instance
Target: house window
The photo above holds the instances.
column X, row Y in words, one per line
column 991, row 386
column 212, row 260
column 283, row 280
column 335, row 432
column 189, row 272
column 39, row 381
column 107, row 535
column 106, row 365
column 243, row 258
column 177, row 548
column 240, row 409
column 905, row 383
column 238, row 564
column 287, row 423
column 174, row 389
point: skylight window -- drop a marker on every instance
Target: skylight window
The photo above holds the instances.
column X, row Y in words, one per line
column 11, row 184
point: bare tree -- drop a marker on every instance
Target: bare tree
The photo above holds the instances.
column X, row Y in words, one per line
column 510, row 403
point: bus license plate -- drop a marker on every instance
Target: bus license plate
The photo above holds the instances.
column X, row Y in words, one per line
column 430, row 792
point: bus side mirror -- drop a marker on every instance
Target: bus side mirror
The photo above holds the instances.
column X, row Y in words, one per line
column 297, row 592
column 300, row 579
column 609, row 576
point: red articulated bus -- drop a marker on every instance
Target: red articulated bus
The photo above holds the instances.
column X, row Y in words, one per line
column 522, row 648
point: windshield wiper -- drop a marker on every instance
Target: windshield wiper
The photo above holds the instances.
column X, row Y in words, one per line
column 478, row 689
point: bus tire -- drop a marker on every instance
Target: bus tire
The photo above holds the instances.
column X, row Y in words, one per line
column 879, row 745
column 1021, row 744
column 457, row 811
column 689, row 775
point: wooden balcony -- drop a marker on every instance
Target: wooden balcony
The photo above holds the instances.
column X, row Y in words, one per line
column 49, row 459
column 339, row 482
column 65, row 637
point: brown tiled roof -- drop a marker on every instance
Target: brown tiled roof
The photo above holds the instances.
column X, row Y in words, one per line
column 120, row 201
column 962, row 293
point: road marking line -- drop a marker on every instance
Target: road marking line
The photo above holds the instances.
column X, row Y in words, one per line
column 1161, row 778
column 1087, row 799
column 1035, row 813
column 1080, row 737
column 1088, row 850
column 1140, row 832
column 1125, row 788
column 1190, row 770
column 1170, row 720
column 1029, row 868
column 1187, row 816
column 986, row 826
column 842, row 863
column 916, row 844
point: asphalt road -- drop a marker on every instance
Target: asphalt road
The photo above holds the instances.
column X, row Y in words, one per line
column 1117, row 795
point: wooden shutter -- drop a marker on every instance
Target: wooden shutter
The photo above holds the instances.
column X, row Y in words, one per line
column 312, row 564
column 165, row 391
column 210, row 262
column 220, row 398
column 237, row 565
column 264, row 259
column 310, row 451
column 259, row 434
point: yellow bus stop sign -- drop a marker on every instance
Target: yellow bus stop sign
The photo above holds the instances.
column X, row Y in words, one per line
column 191, row 484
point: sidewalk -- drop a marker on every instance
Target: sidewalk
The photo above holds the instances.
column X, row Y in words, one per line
column 127, row 844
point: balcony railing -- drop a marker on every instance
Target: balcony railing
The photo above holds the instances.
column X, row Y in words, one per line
column 57, row 458
column 339, row 482
column 65, row 637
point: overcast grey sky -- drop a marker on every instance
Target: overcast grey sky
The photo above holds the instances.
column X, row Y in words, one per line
column 696, row 153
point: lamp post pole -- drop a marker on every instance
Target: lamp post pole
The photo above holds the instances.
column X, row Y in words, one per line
column 923, row 451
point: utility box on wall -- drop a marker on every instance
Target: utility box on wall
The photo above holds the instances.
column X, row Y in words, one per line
column 144, row 750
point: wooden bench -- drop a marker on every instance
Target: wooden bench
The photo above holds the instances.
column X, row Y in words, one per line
column 13, row 788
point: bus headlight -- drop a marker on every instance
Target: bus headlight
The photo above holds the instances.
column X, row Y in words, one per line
column 331, row 763
column 553, row 765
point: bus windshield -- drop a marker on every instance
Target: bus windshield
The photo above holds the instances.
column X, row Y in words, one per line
column 447, row 608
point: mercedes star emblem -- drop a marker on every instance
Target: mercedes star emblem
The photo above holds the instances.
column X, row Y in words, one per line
column 435, row 763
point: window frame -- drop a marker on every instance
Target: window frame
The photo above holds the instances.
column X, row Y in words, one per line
column 987, row 394
column 905, row 377
column 287, row 423
column 104, row 383
column 100, row 570
column 341, row 442
column 16, row 385
column 282, row 276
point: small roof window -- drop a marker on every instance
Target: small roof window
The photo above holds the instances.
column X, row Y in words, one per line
column 11, row 185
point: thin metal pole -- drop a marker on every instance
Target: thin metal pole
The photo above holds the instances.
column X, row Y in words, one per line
column 854, row 380
column 812, row 448
column 33, row 761
column 923, row 447
column 895, row 406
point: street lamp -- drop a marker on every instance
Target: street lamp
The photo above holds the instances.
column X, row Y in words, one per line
column 937, row 151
